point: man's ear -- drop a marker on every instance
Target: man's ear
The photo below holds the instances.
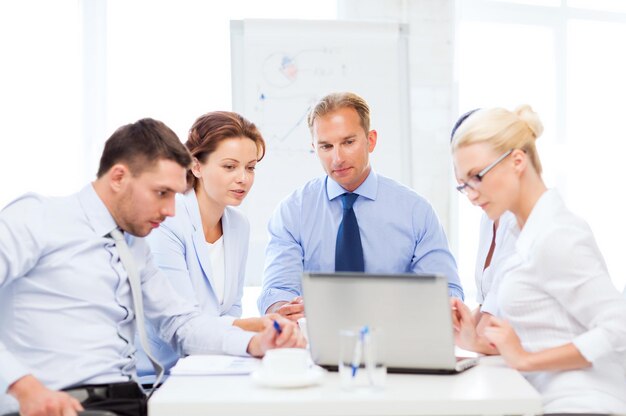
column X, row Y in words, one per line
column 118, row 176
column 372, row 137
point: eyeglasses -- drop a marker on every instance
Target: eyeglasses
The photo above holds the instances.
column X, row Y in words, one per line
column 474, row 181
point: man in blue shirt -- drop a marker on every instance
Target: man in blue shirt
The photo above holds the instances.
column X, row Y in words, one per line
column 398, row 230
column 67, row 311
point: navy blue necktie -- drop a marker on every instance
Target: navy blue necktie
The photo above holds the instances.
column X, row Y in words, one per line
column 349, row 251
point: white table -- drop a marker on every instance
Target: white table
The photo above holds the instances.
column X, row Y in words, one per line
column 491, row 388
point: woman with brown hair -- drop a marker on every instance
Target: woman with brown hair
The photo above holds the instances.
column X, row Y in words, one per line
column 203, row 249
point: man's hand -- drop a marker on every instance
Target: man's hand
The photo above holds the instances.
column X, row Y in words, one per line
column 289, row 337
column 37, row 400
column 292, row 310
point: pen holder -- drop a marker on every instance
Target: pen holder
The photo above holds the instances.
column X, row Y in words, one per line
column 361, row 358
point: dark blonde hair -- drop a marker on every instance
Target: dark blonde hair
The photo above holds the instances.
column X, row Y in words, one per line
column 503, row 130
column 337, row 100
column 210, row 129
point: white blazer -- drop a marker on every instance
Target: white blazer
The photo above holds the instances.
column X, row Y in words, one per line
column 179, row 249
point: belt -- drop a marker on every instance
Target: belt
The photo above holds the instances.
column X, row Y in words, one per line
column 125, row 390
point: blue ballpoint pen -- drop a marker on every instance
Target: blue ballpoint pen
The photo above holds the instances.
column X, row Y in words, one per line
column 277, row 327
column 356, row 358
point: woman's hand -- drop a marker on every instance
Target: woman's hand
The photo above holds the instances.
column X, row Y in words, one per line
column 503, row 336
column 468, row 334
column 463, row 325
column 256, row 324
column 250, row 324
column 563, row 357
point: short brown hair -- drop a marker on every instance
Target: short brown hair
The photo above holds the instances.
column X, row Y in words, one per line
column 142, row 144
column 210, row 129
column 337, row 100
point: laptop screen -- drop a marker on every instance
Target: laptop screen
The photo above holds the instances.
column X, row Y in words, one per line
column 412, row 311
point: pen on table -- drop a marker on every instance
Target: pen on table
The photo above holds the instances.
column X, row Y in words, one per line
column 277, row 327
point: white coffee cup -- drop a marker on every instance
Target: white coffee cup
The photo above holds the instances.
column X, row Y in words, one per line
column 286, row 362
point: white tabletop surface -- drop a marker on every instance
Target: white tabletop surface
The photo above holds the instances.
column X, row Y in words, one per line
column 491, row 388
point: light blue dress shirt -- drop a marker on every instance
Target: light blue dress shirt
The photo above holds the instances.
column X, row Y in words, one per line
column 400, row 233
column 65, row 305
column 179, row 250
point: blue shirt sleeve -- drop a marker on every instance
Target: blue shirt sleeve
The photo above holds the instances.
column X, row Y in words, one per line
column 283, row 257
column 431, row 250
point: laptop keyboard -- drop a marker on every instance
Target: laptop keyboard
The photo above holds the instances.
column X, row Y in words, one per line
column 466, row 363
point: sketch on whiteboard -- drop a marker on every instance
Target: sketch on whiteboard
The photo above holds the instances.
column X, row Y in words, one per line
column 291, row 134
column 284, row 87
column 280, row 69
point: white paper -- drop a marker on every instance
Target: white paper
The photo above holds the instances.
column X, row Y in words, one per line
column 205, row 365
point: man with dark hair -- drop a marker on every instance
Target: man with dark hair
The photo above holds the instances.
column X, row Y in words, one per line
column 140, row 144
column 76, row 279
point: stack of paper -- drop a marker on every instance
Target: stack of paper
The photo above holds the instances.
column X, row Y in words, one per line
column 205, row 365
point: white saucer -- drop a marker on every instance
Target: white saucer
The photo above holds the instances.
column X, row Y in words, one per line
column 313, row 376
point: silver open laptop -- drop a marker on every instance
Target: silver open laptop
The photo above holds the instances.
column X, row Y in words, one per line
column 413, row 312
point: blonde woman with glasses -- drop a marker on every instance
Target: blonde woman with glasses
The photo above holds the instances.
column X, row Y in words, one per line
column 496, row 242
column 563, row 323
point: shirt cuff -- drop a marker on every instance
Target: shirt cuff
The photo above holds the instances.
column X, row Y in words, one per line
column 455, row 290
column 489, row 304
column 236, row 342
column 271, row 296
column 593, row 344
column 227, row 319
column 10, row 371
column 480, row 299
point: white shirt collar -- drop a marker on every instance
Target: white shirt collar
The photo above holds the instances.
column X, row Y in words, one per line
column 98, row 215
column 540, row 219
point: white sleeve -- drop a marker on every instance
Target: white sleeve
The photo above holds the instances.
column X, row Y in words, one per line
column 20, row 250
column 576, row 275
column 11, row 369
column 180, row 323
column 490, row 302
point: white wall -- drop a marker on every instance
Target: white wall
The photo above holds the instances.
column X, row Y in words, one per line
column 433, row 102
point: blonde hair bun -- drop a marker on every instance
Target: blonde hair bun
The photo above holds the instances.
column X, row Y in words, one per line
column 525, row 113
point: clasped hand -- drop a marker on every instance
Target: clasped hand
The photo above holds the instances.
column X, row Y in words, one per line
column 490, row 336
column 292, row 310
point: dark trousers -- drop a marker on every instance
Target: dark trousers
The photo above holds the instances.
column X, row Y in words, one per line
column 123, row 399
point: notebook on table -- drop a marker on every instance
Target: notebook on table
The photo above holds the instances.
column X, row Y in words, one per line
column 413, row 312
